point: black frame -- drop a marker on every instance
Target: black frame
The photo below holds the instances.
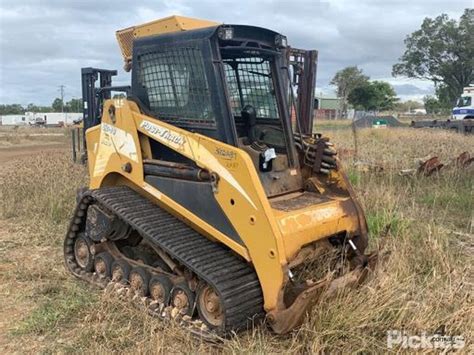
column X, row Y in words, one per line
column 245, row 38
column 93, row 97
column 199, row 39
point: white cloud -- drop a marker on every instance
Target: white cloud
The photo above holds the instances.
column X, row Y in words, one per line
column 43, row 44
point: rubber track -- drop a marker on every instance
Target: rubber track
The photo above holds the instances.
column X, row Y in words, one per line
column 233, row 278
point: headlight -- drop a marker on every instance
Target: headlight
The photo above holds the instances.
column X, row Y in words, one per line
column 281, row 41
column 226, row 33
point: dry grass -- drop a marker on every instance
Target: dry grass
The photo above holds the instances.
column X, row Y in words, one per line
column 426, row 282
column 14, row 136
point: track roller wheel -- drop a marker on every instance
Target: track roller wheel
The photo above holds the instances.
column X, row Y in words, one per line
column 82, row 253
column 139, row 279
column 160, row 288
column 209, row 307
column 120, row 270
column 103, row 264
column 183, row 299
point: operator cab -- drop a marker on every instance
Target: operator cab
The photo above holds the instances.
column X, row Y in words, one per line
column 255, row 74
column 229, row 83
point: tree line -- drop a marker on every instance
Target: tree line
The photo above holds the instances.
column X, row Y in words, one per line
column 73, row 105
column 441, row 51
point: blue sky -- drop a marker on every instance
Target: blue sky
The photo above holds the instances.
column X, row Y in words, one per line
column 44, row 43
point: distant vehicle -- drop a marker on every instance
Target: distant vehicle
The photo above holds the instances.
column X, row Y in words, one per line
column 465, row 105
column 38, row 122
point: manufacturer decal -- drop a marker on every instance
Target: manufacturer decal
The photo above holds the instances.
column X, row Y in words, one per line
column 163, row 133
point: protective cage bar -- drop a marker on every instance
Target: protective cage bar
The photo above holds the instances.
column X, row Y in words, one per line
column 303, row 77
column 250, row 83
column 176, row 85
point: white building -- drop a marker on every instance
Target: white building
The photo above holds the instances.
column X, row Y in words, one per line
column 52, row 119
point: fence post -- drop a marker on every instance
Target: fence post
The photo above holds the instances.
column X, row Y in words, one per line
column 73, row 139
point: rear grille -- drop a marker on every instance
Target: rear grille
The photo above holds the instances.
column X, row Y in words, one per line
column 125, row 40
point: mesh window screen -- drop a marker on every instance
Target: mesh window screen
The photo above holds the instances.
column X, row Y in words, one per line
column 250, row 83
column 176, row 84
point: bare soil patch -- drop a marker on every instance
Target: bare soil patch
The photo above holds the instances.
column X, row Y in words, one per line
column 21, row 150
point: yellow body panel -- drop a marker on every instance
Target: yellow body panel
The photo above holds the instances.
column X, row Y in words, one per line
column 169, row 24
column 304, row 226
column 271, row 238
column 251, row 213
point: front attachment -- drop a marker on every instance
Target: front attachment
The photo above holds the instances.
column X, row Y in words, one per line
column 283, row 321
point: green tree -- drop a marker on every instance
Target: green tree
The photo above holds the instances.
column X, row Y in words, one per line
column 12, row 109
column 373, row 96
column 445, row 99
column 347, row 80
column 442, row 51
column 32, row 108
column 75, row 105
column 432, row 105
column 57, row 105
column 435, row 106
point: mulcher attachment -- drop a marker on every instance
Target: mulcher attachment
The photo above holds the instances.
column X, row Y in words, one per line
column 283, row 321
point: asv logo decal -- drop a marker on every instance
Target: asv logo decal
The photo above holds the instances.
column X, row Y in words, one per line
column 163, row 133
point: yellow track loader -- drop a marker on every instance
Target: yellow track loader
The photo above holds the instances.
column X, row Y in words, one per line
column 209, row 193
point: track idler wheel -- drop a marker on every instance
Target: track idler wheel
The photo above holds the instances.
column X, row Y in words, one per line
column 82, row 253
column 183, row 299
column 103, row 264
column 160, row 288
column 120, row 271
column 209, row 307
column 139, row 279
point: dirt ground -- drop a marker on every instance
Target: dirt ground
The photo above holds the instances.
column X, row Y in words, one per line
column 16, row 152
column 19, row 142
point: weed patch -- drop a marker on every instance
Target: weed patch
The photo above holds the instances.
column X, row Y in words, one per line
column 57, row 305
column 423, row 284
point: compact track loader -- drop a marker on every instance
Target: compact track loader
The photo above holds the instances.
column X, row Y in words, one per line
column 209, row 194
